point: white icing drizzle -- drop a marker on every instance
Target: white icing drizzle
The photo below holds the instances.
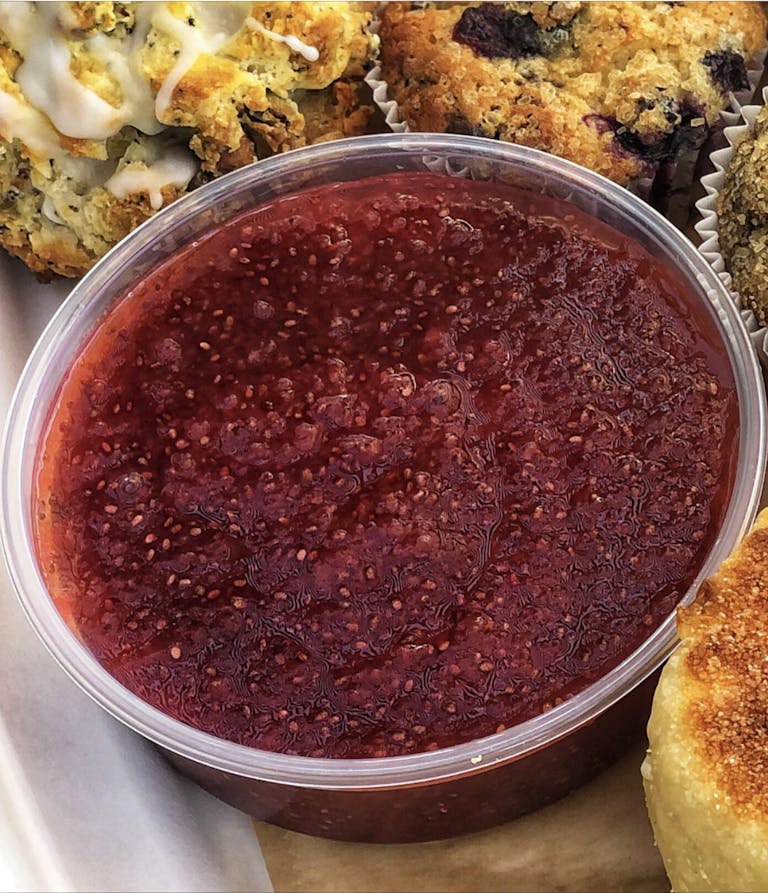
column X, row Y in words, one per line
column 39, row 32
column 138, row 99
column 174, row 167
column 21, row 121
column 67, row 17
column 17, row 21
column 49, row 210
column 194, row 41
column 45, row 77
column 310, row 53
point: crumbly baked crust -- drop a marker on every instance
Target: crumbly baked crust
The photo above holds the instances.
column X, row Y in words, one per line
column 707, row 764
column 742, row 210
column 250, row 97
column 619, row 87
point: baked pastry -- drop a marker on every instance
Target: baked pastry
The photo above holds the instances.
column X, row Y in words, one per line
column 110, row 110
column 707, row 764
column 742, row 211
column 619, row 87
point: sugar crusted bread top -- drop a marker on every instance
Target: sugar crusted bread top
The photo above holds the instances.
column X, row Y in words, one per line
column 619, row 87
column 708, row 756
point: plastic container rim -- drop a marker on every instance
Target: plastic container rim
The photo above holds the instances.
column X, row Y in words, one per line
column 388, row 772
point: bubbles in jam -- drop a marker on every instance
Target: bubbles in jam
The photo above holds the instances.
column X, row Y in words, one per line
column 385, row 466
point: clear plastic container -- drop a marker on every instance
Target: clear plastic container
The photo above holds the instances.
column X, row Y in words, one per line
column 422, row 796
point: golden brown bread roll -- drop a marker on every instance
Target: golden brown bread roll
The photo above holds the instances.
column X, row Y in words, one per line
column 706, row 772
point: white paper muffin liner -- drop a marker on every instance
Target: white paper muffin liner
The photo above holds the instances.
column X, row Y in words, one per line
column 378, row 85
column 741, row 125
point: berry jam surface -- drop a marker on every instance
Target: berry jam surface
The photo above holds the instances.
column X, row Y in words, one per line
column 385, row 466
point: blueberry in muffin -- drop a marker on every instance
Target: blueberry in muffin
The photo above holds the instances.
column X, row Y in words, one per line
column 620, row 87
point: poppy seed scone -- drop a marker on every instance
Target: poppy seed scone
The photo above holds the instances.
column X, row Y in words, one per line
column 742, row 211
column 619, row 87
column 706, row 772
column 108, row 111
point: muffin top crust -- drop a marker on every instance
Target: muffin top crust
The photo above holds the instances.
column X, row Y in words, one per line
column 619, row 87
column 742, row 209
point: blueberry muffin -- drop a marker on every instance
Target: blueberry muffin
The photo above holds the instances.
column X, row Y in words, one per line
column 619, row 87
column 707, row 762
column 742, row 210
column 108, row 111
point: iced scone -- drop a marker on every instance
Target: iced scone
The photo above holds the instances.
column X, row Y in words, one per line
column 707, row 764
column 109, row 111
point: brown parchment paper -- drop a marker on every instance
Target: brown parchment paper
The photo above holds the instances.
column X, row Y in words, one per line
column 596, row 839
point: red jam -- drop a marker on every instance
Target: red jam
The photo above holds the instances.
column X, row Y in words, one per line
column 385, row 466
